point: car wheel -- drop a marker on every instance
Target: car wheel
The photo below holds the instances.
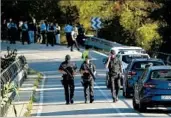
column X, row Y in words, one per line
column 142, row 107
column 135, row 105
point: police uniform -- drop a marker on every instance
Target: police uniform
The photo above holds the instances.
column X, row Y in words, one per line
column 13, row 32
column 43, row 28
column 114, row 74
column 68, row 29
column 51, row 35
column 25, row 33
column 68, row 81
column 88, row 81
column 85, row 53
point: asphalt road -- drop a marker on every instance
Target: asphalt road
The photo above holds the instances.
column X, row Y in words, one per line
column 50, row 94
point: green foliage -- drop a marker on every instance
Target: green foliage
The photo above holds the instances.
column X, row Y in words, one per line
column 124, row 21
column 147, row 34
column 88, row 9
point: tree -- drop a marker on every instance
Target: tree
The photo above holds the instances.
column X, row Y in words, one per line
column 163, row 14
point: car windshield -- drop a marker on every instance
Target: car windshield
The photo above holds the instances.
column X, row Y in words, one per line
column 141, row 65
column 161, row 75
column 128, row 58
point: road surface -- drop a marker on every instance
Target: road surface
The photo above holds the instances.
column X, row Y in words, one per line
column 50, row 94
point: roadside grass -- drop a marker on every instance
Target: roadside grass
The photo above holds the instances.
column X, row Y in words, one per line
column 35, row 86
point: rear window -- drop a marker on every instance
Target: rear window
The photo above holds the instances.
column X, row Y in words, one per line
column 161, row 75
column 125, row 50
column 128, row 58
column 141, row 65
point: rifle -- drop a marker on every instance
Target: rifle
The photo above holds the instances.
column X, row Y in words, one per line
column 68, row 73
column 91, row 73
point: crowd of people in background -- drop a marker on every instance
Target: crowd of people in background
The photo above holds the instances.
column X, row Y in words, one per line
column 43, row 32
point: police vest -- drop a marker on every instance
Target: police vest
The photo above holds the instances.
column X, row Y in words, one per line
column 51, row 28
column 84, row 54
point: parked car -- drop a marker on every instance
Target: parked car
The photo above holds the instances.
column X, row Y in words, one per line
column 153, row 88
column 135, row 69
column 127, row 48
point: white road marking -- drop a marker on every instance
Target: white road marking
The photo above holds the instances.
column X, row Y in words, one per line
column 107, row 98
column 41, row 97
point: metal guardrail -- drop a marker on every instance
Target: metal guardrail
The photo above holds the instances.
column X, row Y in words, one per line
column 106, row 45
column 100, row 43
column 11, row 72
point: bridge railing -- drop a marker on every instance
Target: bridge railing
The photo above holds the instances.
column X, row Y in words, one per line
column 16, row 73
column 11, row 71
column 100, row 43
column 106, row 45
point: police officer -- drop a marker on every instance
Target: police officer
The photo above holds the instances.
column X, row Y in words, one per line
column 88, row 80
column 68, row 29
column 115, row 69
column 68, row 69
column 85, row 53
column 13, row 31
column 51, row 34
column 25, row 33
column 43, row 28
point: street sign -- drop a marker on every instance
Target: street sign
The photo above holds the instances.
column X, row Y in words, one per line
column 96, row 23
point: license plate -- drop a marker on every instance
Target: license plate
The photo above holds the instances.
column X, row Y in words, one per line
column 166, row 97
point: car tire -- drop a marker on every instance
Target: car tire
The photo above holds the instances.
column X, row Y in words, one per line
column 142, row 108
column 135, row 105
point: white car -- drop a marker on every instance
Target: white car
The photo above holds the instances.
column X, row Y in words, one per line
column 128, row 48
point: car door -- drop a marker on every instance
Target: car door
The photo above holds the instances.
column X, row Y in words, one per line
column 139, row 85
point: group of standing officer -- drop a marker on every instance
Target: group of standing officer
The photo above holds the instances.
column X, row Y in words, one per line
column 74, row 34
column 50, row 33
column 30, row 32
column 87, row 70
column 25, row 30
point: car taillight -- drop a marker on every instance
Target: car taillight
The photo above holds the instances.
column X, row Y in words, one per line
column 131, row 73
column 149, row 85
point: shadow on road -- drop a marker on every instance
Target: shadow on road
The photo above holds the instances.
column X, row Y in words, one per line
column 88, row 111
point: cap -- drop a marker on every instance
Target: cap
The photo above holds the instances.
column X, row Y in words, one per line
column 67, row 57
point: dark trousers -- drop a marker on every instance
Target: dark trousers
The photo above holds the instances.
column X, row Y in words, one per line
column 115, row 86
column 43, row 33
column 69, row 88
column 9, row 34
column 69, row 39
column 80, row 40
column 13, row 38
column 89, row 89
column 50, row 38
column 74, row 43
column 25, row 37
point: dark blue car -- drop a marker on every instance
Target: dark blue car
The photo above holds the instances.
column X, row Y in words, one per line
column 134, row 70
column 153, row 88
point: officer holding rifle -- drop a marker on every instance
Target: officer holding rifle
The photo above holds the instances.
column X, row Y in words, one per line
column 87, row 70
column 68, row 69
